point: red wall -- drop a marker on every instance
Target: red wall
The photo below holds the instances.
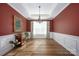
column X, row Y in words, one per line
column 6, row 19
column 28, row 26
column 51, row 26
column 67, row 21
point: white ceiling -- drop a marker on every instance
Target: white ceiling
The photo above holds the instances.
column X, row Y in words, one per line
column 31, row 10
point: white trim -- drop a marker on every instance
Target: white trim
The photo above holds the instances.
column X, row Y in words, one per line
column 56, row 11
column 64, row 5
column 16, row 9
column 70, row 42
column 5, row 46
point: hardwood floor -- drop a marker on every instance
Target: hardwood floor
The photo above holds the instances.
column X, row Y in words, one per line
column 40, row 47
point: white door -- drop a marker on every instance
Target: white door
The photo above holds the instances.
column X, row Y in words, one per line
column 39, row 29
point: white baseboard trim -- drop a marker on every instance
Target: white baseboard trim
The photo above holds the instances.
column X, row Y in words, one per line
column 5, row 46
column 70, row 42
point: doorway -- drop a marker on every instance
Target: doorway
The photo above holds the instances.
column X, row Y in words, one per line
column 39, row 30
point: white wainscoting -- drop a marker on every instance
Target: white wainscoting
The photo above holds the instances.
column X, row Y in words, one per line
column 77, row 47
column 5, row 46
column 70, row 42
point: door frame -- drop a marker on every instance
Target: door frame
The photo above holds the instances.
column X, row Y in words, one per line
column 47, row 35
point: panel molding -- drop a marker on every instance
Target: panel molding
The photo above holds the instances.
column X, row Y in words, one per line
column 70, row 42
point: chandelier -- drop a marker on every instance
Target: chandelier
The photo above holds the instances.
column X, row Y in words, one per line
column 39, row 17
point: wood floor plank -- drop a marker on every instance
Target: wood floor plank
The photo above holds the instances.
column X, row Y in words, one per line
column 40, row 47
